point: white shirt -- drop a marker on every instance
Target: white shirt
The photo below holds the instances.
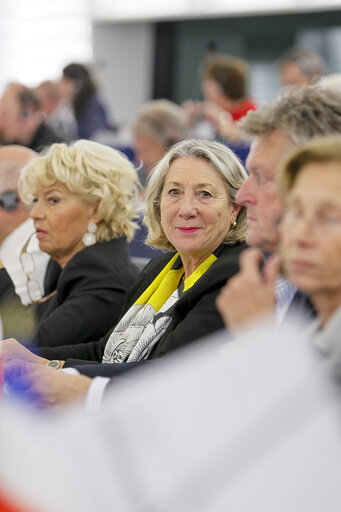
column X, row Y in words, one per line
column 10, row 255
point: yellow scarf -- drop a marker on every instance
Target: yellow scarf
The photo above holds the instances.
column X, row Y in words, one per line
column 167, row 281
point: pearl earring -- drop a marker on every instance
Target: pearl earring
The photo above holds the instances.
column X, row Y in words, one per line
column 89, row 238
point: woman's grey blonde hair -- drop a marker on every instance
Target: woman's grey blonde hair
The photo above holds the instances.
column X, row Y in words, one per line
column 221, row 159
column 98, row 174
column 319, row 150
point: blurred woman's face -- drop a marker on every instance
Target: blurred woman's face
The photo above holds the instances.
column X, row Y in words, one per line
column 311, row 229
column 212, row 91
column 60, row 219
column 66, row 88
column 196, row 212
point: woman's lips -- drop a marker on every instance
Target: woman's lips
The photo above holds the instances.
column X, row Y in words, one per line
column 188, row 230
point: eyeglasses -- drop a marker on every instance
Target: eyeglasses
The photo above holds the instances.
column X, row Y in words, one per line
column 9, row 200
column 320, row 222
column 27, row 263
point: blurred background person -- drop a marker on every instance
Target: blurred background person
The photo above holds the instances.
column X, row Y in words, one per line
column 83, row 205
column 22, row 120
column 157, row 127
column 311, row 229
column 301, row 66
column 58, row 110
column 224, row 85
column 78, row 86
column 15, row 228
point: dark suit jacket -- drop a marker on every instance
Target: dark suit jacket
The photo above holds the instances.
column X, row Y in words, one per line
column 16, row 320
column 194, row 315
column 91, row 290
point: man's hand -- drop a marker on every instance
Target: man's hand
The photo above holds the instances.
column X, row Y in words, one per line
column 249, row 295
column 43, row 386
column 12, row 349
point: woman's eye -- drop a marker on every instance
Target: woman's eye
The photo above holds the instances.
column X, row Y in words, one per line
column 205, row 194
column 53, row 200
column 329, row 218
column 173, row 192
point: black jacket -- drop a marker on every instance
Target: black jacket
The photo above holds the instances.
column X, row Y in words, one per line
column 194, row 315
column 91, row 290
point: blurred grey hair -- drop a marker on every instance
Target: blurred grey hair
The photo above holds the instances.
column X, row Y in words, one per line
column 161, row 120
column 302, row 112
column 221, row 159
column 309, row 62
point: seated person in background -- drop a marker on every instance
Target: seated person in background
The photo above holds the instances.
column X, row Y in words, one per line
column 15, row 228
column 78, row 87
column 300, row 66
column 82, row 200
column 226, row 101
column 58, row 110
column 22, row 121
column 158, row 126
column 293, row 117
column 191, row 209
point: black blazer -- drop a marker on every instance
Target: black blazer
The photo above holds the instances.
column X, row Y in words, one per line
column 91, row 290
column 194, row 314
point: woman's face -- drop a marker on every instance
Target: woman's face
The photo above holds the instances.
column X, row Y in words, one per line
column 60, row 219
column 67, row 88
column 311, row 229
column 212, row 90
column 196, row 213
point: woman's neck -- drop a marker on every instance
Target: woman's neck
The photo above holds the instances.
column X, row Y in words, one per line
column 191, row 264
column 326, row 303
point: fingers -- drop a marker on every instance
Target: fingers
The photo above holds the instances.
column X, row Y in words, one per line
column 250, row 261
column 250, row 265
column 249, row 294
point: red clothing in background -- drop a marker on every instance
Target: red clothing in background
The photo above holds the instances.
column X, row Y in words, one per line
column 242, row 109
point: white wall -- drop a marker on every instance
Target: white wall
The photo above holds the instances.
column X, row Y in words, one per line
column 125, row 10
column 38, row 38
column 123, row 61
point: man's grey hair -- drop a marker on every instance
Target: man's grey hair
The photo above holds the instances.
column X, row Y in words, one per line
column 161, row 120
column 309, row 62
column 301, row 112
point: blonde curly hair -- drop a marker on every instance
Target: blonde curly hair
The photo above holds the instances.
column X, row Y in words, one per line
column 97, row 173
